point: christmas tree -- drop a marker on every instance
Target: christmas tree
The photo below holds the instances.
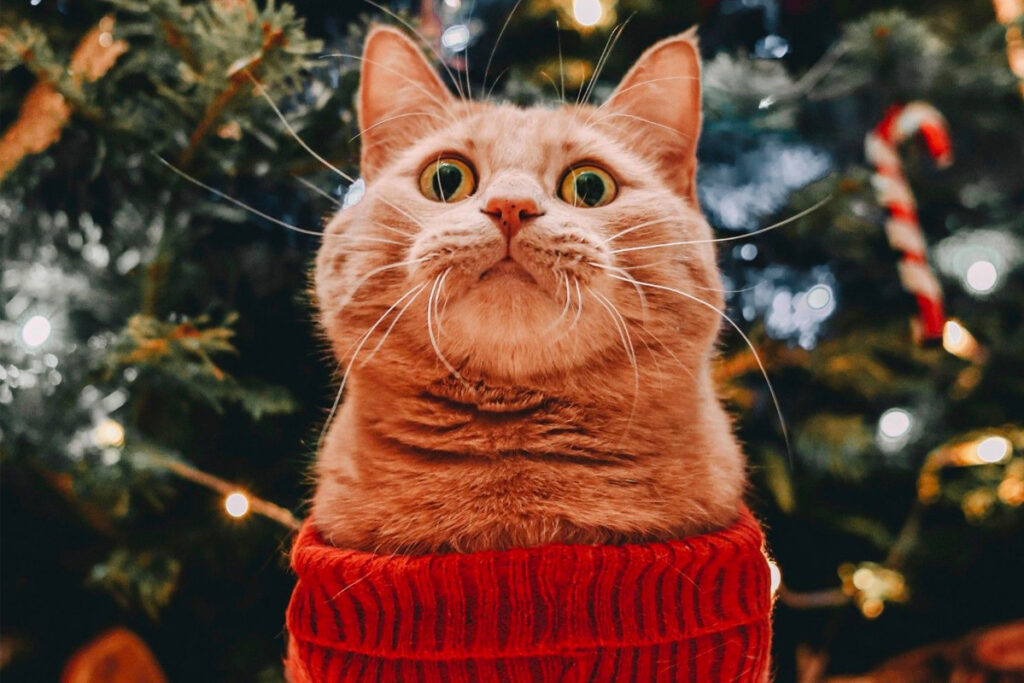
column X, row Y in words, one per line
column 164, row 167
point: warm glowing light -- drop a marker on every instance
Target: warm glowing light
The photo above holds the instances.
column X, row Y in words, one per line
column 587, row 12
column 819, row 296
column 454, row 4
column 872, row 608
column 982, row 276
column 237, row 504
column 993, row 449
column 109, row 433
column 957, row 340
column 863, row 579
column 776, row 576
column 1011, row 491
column 895, row 423
column 36, row 331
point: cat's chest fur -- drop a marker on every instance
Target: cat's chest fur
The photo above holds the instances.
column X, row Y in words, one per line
column 462, row 467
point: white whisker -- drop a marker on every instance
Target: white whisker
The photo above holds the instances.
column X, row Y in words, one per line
column 355, row 354
column 394, row 321
column 625, row 90
column 561, row 63
column 744, row 236
column 627, row 343
column 326, row 195
column 613, row 38
column 363, row 280
column 630, row 229
column 757, row 358
column 497, row 40
column 628, row 277
column 579, row 298
column 619, row 114
column 393, row 229
column 291, row 131
column 431, row 315
column 393, row 118
column 238, row 202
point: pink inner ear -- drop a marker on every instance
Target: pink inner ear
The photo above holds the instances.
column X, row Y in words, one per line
column 659, row 102
column 663, row 89
column 400, row 94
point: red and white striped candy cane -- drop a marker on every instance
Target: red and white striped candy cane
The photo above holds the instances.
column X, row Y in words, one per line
column 903, row 228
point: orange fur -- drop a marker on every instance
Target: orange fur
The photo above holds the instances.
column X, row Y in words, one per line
column 496, row 413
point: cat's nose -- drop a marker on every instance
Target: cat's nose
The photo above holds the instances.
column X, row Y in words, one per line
column 511, row 213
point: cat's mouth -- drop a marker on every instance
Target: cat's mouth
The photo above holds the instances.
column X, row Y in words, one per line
column 508, row 267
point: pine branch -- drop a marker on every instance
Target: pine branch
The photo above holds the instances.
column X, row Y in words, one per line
column 272, row 511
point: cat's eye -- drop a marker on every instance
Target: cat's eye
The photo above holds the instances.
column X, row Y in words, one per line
column 449, row 179
column 587, row 185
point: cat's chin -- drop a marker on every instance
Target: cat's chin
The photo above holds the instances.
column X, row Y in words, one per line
column 508, row 269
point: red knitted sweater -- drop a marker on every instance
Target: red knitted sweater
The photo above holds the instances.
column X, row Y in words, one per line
column 697, row 609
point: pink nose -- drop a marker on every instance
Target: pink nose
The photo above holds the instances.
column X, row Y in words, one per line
column 511, row 213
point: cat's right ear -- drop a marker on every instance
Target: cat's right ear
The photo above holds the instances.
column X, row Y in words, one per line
column 399, row 94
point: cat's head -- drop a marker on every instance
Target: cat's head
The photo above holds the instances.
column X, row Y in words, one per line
column 503, row 242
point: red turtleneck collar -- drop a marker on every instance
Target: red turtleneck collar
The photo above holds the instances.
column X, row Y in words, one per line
column 697, row 609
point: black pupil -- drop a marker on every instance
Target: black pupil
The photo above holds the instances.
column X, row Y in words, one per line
column 589, row 188
column 447, row 180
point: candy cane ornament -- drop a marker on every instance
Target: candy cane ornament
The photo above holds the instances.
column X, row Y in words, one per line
column 903, row 227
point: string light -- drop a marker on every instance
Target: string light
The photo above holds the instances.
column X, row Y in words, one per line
column 993, row 449
column 895, row 429
column 36, row 331
column 776, row 576
column 871, row 586
column 456, row 38
column 957, row 340
column 109, row 433
column 819, row 296
column 236, row 504
column 894, row 423
column 982, row 276
column 587, row 12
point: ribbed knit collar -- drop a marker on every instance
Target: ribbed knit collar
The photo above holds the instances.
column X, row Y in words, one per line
column 537, row 602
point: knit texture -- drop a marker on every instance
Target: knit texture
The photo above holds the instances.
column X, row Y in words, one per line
column 697, row 609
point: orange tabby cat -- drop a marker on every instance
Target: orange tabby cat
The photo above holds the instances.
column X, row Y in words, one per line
column 519, row 371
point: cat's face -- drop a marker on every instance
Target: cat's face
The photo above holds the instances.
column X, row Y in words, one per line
column 506, row 239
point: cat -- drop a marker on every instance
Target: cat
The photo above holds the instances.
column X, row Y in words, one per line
column 525, row 362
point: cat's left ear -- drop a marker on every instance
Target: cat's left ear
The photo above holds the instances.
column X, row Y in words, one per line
column 659, row 100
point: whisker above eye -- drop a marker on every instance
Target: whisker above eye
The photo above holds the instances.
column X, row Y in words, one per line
column 497, row 40
column 641, row 119
column 731, row 238
column 392, row 118
column 618, row 93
